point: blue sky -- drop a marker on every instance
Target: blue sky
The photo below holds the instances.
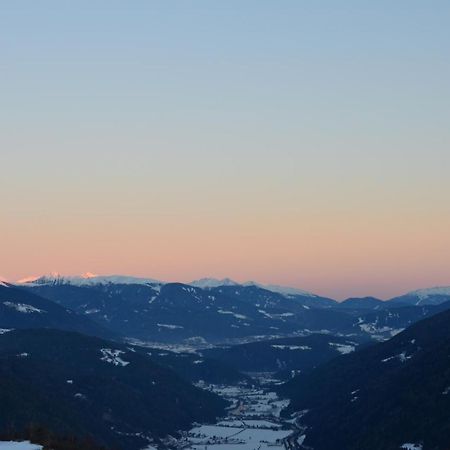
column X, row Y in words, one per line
column 315, row 130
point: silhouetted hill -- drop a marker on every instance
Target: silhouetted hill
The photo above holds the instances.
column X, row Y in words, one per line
column 87, row 386
column 382, row 396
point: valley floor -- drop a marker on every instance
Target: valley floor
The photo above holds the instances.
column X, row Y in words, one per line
column 253, row 423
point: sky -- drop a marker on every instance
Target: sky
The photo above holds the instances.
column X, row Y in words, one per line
column 304, row 143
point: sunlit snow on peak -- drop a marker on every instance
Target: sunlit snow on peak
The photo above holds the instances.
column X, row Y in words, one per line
column 86, row 279
column 425, row 293
column 88, row 275
column 206, row 283
column 284, row 290
column 213, row 282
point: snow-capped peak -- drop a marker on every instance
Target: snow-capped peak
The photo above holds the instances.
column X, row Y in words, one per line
column 207, row 283
column 429, row 292
column 2, row 283
column 212, row 283
column 87, row 279
column 91, row 279
column 284, row 290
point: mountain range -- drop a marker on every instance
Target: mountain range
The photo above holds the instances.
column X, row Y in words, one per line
column 223, row 311
column 427, row 296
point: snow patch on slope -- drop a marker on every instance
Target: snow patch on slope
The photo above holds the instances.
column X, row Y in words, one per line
column 402, row 357
column 237, row 316
column 423, row 294
column 169, row 326
column 292, row 347
column 113, row 357
column 343, row 349
column 24, row 445
column 23, row 308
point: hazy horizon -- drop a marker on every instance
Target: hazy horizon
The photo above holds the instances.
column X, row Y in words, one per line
column 291, row 143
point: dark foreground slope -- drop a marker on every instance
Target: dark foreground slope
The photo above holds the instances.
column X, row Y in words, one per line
column 383, row 396
column 86, row 386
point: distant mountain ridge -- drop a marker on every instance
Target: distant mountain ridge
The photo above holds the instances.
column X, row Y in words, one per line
column 174, row 312
column 89, row 279
column 85, row 280
column 426, row 296
column 206, row 283
column 222, row 311
column 362, row 303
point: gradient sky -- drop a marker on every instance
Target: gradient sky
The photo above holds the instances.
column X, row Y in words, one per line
column 295, row 142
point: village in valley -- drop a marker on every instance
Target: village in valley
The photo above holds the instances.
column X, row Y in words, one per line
column 253, row 423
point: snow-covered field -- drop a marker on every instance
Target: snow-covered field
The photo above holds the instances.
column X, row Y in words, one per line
column 25, row 445
column 236, row 438
column 253, row 423
column 249, row 423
